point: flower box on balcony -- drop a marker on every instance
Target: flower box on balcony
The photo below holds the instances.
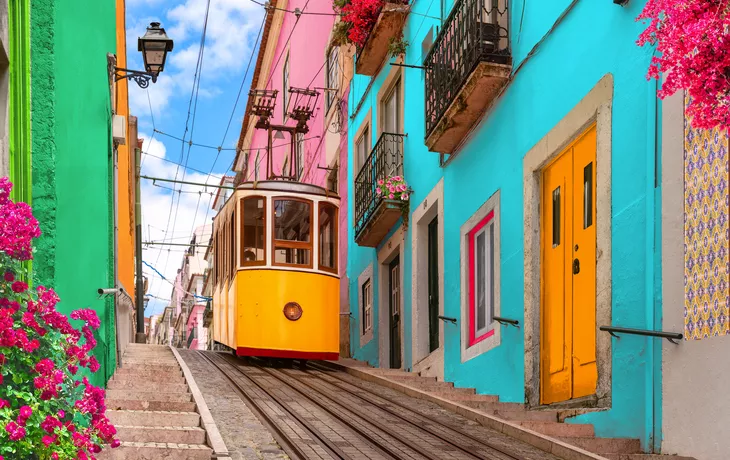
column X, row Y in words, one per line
column 388, row 26
column 384, row 217
column 467, row 67
column 381, row 194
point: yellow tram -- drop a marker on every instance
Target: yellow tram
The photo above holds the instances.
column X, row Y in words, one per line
column 276, row 283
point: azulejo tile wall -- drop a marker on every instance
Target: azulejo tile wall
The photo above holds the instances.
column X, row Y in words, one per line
column 706, row 233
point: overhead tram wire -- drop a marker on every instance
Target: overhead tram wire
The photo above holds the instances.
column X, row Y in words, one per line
column 154, row 127
column 291, row 32
column 230, row 120
column 196, row 78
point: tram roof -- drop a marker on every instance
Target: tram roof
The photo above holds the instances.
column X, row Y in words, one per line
column 285, row 186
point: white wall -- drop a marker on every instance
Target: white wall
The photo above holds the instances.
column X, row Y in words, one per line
column 695, row 373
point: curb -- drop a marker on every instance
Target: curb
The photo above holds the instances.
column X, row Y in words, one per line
column 220, row 451
column 535, row 439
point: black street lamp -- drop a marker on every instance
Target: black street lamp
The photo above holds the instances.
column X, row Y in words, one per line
column 154, row 47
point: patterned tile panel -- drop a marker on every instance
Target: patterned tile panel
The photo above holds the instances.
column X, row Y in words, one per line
column 706, row 233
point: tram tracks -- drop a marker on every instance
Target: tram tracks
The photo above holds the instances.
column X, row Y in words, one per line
column 375, row 425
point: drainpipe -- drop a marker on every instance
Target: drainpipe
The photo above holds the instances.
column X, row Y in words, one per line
column 116, row 253
column 140, row 337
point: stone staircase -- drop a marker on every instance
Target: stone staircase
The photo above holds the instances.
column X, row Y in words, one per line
column 149, row 403
column 546, row 422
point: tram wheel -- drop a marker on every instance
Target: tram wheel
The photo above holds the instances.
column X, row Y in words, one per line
column 303, row 363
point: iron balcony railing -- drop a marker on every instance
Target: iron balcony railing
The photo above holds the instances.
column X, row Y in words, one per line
column 475, row 31
column 385, row 160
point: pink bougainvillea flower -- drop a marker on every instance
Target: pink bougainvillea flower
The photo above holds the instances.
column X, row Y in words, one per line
column 19, row 286
column 693, row 54
column 391, row 196
column 45, row 362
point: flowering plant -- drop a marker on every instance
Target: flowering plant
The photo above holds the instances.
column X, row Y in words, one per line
column 46, row 410
column 359, row 18
column 693, row 51
column 393, row 188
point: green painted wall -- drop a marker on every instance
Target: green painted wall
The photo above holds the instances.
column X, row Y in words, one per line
column 72, row 157
column 19, row 119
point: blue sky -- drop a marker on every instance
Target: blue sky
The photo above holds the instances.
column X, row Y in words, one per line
column 231, row 34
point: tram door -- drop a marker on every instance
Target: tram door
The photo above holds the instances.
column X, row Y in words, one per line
column 394, row 294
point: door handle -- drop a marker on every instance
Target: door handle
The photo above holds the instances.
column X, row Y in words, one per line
column 576, row 266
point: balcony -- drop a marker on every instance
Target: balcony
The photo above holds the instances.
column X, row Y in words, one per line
column 389, row 25
column 468, row 65
column 376, row 215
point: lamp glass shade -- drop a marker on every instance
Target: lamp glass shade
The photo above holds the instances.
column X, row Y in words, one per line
column 154, row 47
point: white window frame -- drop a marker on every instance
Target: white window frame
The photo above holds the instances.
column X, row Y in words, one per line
column 333, row 76
column 285, row 85
column 366, row 330
column 488, row 272
column 364, row 141
column 469, row 351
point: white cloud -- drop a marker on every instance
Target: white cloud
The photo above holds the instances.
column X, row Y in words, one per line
column 230, row 34
column 192, row 212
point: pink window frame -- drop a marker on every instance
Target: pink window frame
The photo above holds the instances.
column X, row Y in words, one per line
column 473, row 340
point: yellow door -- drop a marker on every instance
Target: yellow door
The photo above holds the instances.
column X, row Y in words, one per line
column 568, row 313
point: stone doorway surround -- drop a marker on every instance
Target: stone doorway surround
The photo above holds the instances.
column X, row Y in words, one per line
column 429, row 364
column 596, row 107
column 393, row 247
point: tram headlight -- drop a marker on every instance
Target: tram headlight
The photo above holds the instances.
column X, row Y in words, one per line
column 292, row 311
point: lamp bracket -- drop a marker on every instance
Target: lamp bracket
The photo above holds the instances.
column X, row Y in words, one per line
column 142, row 78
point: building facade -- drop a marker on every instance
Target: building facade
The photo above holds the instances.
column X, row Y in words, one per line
column 56, row 145
column 695, row 284
column 528, row 139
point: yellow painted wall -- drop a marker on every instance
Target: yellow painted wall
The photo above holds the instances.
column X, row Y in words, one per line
column 125, row 179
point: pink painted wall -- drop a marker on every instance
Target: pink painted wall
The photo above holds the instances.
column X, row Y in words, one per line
column 342, row 185
column 306, row 48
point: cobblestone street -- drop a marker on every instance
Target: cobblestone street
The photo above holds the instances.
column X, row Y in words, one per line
column 245, row 437
column 325, row 413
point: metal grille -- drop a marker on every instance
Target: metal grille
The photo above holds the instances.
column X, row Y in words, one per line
column 475, row 31
column 386, row 159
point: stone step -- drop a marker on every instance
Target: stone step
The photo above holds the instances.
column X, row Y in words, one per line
column 155, row 361
column 462, row 398
column 143, row 385
column 146, row 372
column 157, row 368
column 149, row 395
column 151, row 378
column 439, row 388
column 646, row 457
column 156, row 450
column 153, row 418
column 161, row 434
column 150, row 405
column 523, row 415
column 411, row 377
column 605, row 445
column 499, row 406
column 564, row 430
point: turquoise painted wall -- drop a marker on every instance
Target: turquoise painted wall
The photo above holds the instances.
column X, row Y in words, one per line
column 595, row 38
column 72, row 157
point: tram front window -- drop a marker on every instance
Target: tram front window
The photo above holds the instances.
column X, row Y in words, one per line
column 253, row 249
column 292, row 232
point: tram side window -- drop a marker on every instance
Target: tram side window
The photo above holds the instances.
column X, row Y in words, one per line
column 253, row 225
column 292, row 232
column 327, row 237
column 232, row 248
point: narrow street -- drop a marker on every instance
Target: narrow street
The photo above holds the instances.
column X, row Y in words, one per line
column 321, row 413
